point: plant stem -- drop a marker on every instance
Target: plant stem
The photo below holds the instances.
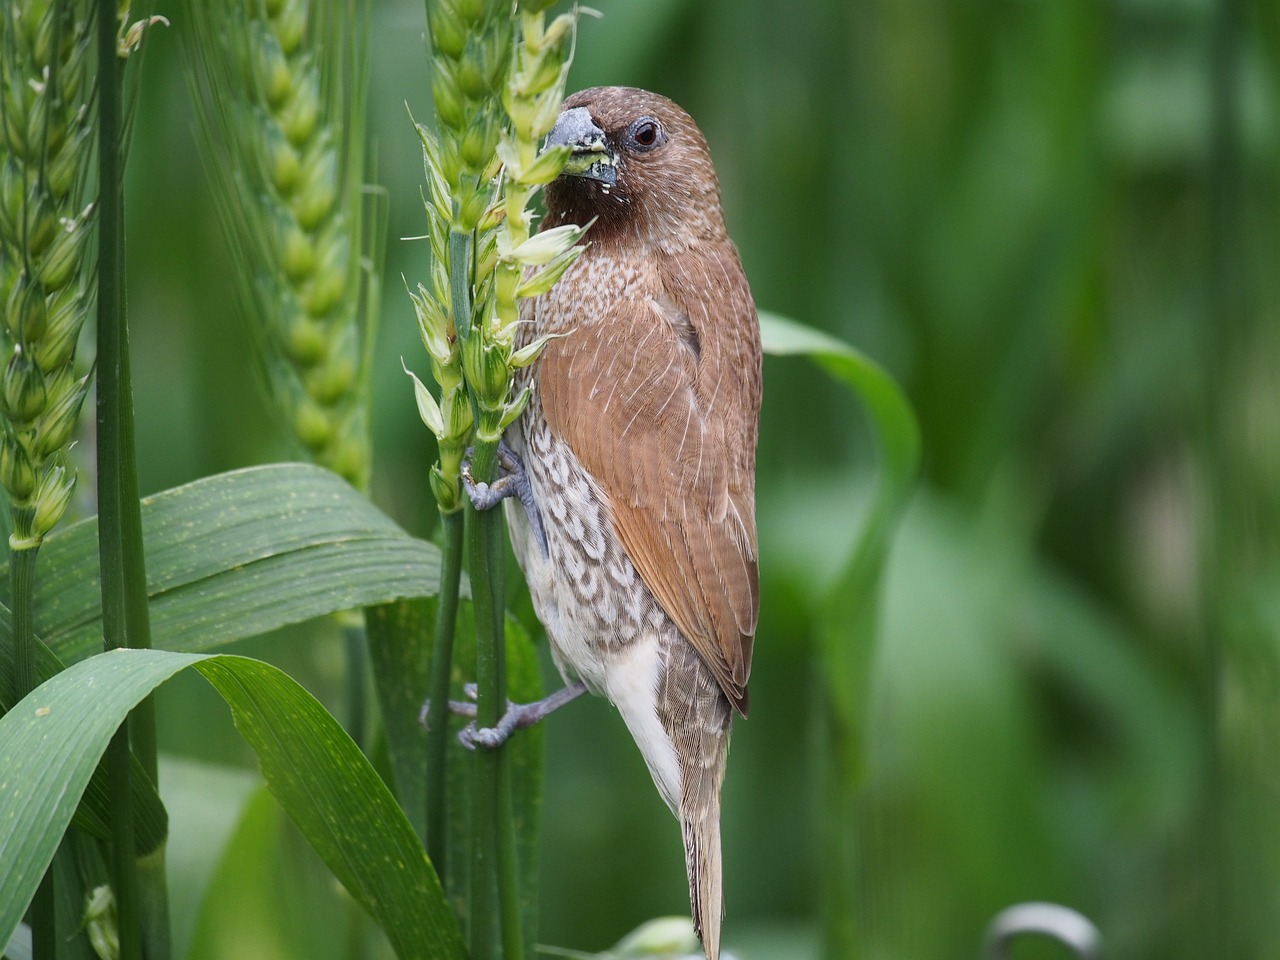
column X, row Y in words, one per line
column 22, row 568
column 494, row 846
column 441, row 669
column 142, row 720
column 125, row 619
column 484, row 841
column 508, row 864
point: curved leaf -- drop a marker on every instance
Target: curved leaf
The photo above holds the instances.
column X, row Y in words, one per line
column 150, row 820
column 850, row 618
column 849, row 624
column 235, row 555
column 52, row 740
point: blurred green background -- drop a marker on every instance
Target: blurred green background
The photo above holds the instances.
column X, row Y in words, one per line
column 1057, row 224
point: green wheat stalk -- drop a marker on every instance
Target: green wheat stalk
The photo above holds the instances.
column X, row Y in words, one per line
column 47, row 281
column 498, row 80
column 281, row 87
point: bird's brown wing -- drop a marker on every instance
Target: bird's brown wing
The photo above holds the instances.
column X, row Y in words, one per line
column 659, row 397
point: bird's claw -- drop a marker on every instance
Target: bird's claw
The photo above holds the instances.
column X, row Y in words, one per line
column 517, row 717
column 511, row 482
column 490, row 738
column 459, row 708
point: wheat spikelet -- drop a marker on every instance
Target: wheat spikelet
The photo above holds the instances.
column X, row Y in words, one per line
column 47, row 280
column 281, row 90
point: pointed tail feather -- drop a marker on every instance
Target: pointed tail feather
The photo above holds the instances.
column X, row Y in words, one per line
column 706, row 886
column 697, row 717
column 703, row 749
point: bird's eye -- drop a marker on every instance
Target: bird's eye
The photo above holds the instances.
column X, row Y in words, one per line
column 645, row 134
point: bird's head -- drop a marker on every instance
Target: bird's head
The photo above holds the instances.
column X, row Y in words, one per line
column 639, row 165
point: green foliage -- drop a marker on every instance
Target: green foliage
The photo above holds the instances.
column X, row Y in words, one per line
column 237, row 555
column 52, row 740
column 1051, row 223
column 281, row 90
column 46, row 225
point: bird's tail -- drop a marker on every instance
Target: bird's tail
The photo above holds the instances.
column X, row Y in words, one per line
column 700, row 731
column 701, row 829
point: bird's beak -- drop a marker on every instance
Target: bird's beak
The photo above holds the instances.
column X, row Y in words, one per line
column 589, row 154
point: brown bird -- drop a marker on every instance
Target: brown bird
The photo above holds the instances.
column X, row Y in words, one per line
column 638, row 447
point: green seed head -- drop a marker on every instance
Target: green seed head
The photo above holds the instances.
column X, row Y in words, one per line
column 323, row 292
column 297, row 253
column 279, row 159
column 66, row 165
column 290, row 25
column 42, row 222
column 66, row 315
column 62, row 259
column 306, row 340
column 57, row 424
column 74, row 73
column 13, row 131
column 16, row 471
column 349, row 456
column 312, row 425
column 301, row 114
column 22, row 389
column 271, row 70
column 479, row 142
column 12, row 195
column 318, row 191
column 448, row 32
column 473, row 71
column 448, row 98
column 473, row 13
column 457, row 415
column 51, row 499
column 46, row 125
column 100, row 923
column 445, row 490
column 36, row 27
column 330, row 381
column 26, row 313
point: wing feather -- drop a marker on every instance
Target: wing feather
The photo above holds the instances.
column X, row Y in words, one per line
column 668, row 430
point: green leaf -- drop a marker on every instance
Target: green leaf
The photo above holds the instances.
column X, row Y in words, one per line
column 151, row 823
column 400, row 641
column 268, row 897
column 850, row 620
column 228, row 556
column 52, row 740
column 235, row 555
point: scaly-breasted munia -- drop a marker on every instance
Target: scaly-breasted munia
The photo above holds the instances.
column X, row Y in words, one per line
column 638, row 452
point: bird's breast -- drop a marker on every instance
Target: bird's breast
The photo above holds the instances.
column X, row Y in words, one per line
column 585, row 589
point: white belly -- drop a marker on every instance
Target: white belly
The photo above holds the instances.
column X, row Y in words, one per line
column 603, row 625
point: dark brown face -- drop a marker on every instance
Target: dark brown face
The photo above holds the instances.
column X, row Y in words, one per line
column 639, row 165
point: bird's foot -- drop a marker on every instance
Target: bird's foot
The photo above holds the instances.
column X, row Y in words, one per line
column 518, row 717
column 512, row 481
column 459, row 708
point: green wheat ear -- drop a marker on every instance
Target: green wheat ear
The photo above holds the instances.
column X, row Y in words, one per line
column 498, row 80
column 281, row 91
column 47, row 282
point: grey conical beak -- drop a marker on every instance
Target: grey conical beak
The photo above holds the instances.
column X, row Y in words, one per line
column 589, row 154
